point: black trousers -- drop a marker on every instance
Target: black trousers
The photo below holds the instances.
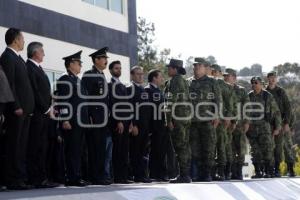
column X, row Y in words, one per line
column 73, row 140
column 2, row 146
column 157, row 162
column 16, row 148
column 37, row 148
column 120, row 155
column 139, row 153
column 96, row 145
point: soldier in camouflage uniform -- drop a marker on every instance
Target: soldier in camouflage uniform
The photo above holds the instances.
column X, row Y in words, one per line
column 239, row 127
column 224, row 137
column 260, row 134
column 178, row 117
column 283, row 141
column 202, row 134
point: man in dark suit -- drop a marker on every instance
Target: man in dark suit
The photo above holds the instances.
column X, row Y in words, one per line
column 38, row 131
column 119, row 125
column 73, row 117
column 98, row 138
column 18, row 113
column 139, row 142
column 157, row 161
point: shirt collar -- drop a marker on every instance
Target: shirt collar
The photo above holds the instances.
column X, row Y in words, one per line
column 14, row 51
column 137, row 84
column 153, row 85
column 116, row 79
column 34, row 62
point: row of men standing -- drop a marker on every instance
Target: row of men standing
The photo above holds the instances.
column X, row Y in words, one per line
column 81, row 107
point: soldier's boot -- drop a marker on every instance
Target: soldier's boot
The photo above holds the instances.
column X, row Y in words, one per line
column 258, row 173
column 182, row 178
column 268, row 171
column 291, row 170
column 239, row 172
column 206, row 176
column 234, row 171
column 276, row 170
column 221, row 173
column 228, row 171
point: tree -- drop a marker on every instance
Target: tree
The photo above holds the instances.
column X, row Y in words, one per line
column 189, row 66
column 211, row 59
column 256, row 70
column 147, row 54
column 246, row 71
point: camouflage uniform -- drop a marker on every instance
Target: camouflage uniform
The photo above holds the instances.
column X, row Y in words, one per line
column 239, row 146
column 283, row 141
column 260, row 132
column 202, row 133
column 224, row 137
column 177, row 91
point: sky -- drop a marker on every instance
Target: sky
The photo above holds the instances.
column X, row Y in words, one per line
column 238, row 33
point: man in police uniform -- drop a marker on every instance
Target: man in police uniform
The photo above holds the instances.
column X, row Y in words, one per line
column 98, row 137
column 68, row 88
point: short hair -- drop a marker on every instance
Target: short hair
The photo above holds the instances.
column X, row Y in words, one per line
column 153, row 73
column 134, row 68
column 67, row 63
column 112, row 64
column 32, row 48
column 11, row 34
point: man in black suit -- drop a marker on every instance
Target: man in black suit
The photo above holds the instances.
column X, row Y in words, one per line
column 119, row 125
column 38, row 131
column 18, row 113
column 157, row 161
column 139, row 142
column 98, row 138
column 73, row 117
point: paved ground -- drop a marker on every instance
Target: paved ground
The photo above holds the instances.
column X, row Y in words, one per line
column 269, row 189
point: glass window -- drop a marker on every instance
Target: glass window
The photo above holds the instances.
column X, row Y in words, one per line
column 89, row 1
column 117, row 5
column 102, row 3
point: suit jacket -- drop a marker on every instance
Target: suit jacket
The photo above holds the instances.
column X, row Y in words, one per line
column 6, row 94
column 97, row 86
column 41, row 87
column 16, row 72
column 119, row 90
column 140, row 96
column 157, row 123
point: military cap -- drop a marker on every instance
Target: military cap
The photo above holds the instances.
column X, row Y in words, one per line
column 100, row 53
column 175, row 63
column 216, row 67
column 73, row 57
column 199, row 60
column 256, row 78
column 229, row 71
column 272, row 73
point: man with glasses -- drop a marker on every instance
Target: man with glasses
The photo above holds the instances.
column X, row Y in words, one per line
column 69, row 99
column 264, row 125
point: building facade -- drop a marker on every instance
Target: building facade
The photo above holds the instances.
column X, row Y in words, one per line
column 67, row 26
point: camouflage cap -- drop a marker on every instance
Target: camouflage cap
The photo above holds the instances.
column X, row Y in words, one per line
column 175, row 63
column 199, row 60
column 256, row 78
column 216, row 67
column 229, row 71
column 272, row 73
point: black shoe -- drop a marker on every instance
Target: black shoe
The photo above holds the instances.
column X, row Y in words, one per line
column 102, row 182
column 125, row 181
column 2, row 188
column 46, row 184
column 291, row 172
column 258, row 175
column 79, row 183
column 182, row 179
column 19, row 186
column 142, row 180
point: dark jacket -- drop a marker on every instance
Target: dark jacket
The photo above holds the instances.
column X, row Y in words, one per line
column 15, row 69
column 41, row 87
